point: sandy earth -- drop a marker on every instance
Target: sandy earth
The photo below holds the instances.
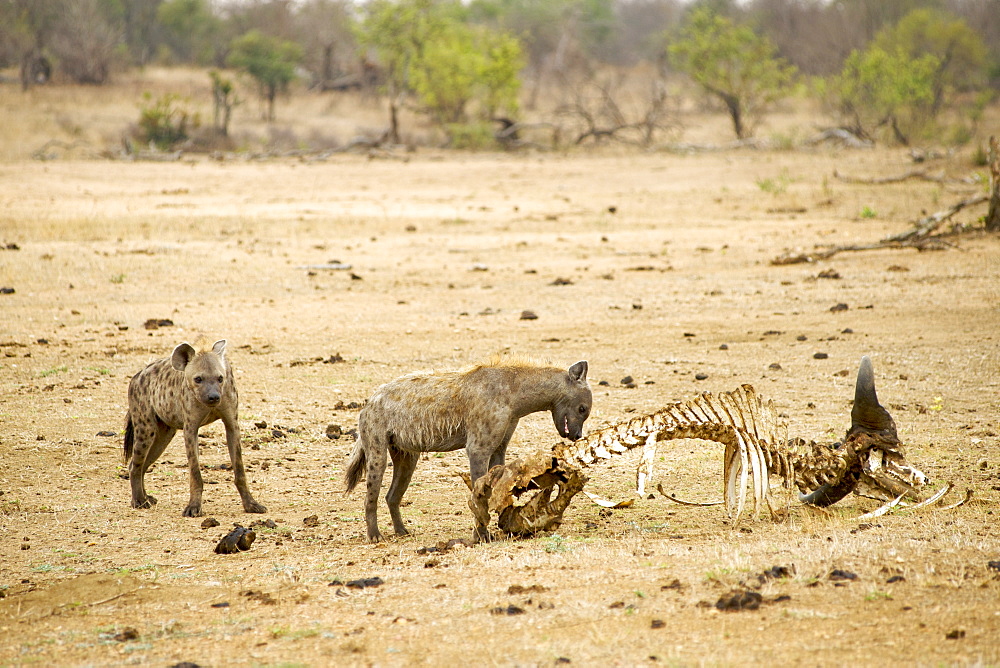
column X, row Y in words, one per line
column 643, row 265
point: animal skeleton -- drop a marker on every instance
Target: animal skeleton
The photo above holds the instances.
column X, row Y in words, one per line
column 756, row 448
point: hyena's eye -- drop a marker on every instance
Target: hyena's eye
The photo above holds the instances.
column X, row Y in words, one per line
column 220, row 379
column 198, row 379
column 583, row 410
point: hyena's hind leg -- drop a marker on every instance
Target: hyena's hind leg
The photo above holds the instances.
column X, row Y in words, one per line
column 151, row 439
column 403, row 465
column 375, row 469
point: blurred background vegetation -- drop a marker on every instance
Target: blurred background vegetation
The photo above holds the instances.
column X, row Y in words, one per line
column 509, row 73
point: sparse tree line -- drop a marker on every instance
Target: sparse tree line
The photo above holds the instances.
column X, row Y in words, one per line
column 884, row 69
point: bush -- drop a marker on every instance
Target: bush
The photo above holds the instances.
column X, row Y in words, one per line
column 471, row 136
column 163, row 122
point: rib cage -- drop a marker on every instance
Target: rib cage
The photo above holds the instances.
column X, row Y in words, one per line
column 755, row 439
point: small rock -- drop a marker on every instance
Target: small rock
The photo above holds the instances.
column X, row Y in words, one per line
column 311, row 521
column 529, row 315
column 993, row 565
column 627, row 380
column 724, row 347
column 561, row 281
column 838, row 307
column 604, row 383
column 126, row 634
column 701, row 376
column 509, row 610
column 956, row 634
column 7, row 291
column 107, row 434
column 209, row 522
column 657, row 624
column 514, row 590
column 828, row 273
column 774, row 366
column 820, row 356
column 156, row 323
column 839, row 575
column 801, row 337
column 364, row 583
column 334, row 431
column 894, row 579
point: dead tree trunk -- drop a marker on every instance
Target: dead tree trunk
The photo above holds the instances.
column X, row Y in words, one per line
column 993, row 214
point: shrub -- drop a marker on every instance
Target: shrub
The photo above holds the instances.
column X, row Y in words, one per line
column 163, row 122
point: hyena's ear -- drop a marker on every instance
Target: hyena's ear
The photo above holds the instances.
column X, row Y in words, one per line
column 578, row 372
column 182, row 355
column 219, row 347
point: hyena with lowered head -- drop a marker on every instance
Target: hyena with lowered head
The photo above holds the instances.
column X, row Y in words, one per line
column 476, row 409
column 185, row 391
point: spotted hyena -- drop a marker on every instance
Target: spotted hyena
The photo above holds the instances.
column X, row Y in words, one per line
column 185, row 391
column 476, row 409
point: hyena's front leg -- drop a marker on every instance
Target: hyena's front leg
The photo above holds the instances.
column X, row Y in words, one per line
column 250, row 505
column 194, row 469
column 480, row 457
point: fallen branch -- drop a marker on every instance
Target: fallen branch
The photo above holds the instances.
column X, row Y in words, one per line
column 929, row 224
column 920, row 236
column 878, row 181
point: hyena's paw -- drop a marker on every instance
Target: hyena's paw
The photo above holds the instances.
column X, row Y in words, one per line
column 193, row 510
column 254, row 507
column 376, row 537
column 148, row 502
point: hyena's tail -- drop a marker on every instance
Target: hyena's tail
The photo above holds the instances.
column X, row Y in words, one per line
column 355, row 466
column 129, row 437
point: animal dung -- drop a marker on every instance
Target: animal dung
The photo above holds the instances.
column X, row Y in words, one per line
column 238, row 540
column 740, row 599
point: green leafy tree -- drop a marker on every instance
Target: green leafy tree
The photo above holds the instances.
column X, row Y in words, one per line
column 878, row 89
column 269, row 61
column 466, row 64
column 959, row 50
column 398, row 32
column 732, row 63
column 188, row 26
column 456, row 71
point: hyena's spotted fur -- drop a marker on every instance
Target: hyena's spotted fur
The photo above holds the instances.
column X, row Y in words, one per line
column 476, row 409
column 185, row 391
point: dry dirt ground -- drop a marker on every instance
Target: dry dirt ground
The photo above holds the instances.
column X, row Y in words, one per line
column 644, row 265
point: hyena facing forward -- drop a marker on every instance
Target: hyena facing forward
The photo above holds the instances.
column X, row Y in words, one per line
column 476, row 409
column 185, row 391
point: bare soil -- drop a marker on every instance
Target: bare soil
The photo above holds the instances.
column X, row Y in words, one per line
column 654, row 266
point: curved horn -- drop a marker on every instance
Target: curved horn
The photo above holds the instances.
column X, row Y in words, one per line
column 868, row 412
